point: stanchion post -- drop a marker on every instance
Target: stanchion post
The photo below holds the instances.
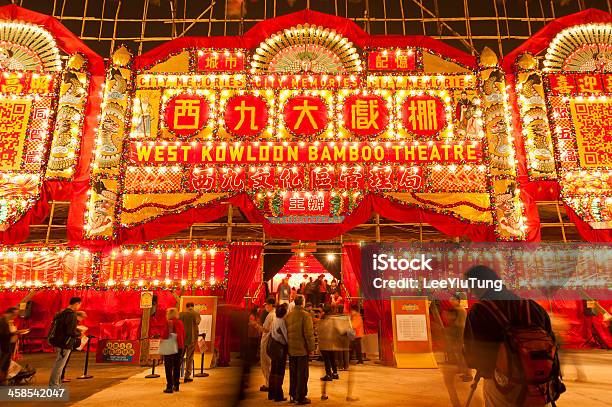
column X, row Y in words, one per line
column 202, row 373
column 85, row 375
column 152, row 375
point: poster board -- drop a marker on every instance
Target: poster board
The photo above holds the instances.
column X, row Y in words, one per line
column 207, row 308
column 412, row 333
column 118, row 351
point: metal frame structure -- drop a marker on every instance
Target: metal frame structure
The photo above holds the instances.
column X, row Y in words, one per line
column 468, row 25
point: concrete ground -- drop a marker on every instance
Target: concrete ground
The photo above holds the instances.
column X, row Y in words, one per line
column 374, row 385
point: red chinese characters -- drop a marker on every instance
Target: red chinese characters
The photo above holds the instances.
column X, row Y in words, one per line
column 186, row 114
column 409, row 179
column 380, row 179
column 203, row 179
column 365, row 115
column 246, row 115
column 261, row 178
column 290, row 177
column 351, row 178
column 322, row 178
column 423, row 115
column 305, row 115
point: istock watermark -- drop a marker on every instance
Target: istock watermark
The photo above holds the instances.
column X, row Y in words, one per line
column 546, row 271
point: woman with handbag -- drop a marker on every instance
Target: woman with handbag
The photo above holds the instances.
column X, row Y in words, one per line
column 172, row 346
column 277, row 350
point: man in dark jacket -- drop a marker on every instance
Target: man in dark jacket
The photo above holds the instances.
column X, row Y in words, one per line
column 191, row 321
column 301, row 340
column 484, row 334
column 62, row 336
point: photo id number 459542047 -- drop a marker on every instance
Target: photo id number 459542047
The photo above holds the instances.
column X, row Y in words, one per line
column 18, row 393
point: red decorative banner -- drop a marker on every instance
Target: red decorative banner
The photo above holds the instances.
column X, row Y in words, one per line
column 34, row 268
column 175, row 265
column 246, row 115
column 392, row 60
column 311, row 177
column 424, row 115
column 26, row 82
column 301, row 153
column 305, row 115
column 580, row 84
column 186, row 114
column 365, row 115
column 215, row 61
column 306, row 203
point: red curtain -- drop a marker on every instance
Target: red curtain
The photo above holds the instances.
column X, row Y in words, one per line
column 244, row 266
column 390, row 209
column 351, row 268
column 586, row 231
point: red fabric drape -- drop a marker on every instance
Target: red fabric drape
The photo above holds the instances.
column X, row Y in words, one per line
column 586, row 231
column 396, row 211
column 110, row 314
column 244, row 266
column 351, row 268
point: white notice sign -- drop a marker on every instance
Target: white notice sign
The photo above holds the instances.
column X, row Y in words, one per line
column 206, row 326
column 411, row 328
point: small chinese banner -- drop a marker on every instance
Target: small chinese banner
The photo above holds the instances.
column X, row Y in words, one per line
column 220, row 61
column 580, row 84
column 176, row 264
column 40, row 267
column 392, row 60
column 118, row 351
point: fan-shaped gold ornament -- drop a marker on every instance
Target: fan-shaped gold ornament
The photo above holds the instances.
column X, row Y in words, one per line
column 304, row 49
column 27, row 47
column 582, row 48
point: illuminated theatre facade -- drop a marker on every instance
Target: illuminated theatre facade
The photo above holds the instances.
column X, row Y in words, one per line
column 307, row 124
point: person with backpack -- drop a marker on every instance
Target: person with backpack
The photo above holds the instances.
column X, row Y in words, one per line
column 63, row 336
column 511, row 344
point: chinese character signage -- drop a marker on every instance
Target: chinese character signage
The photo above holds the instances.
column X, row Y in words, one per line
column 392, row 60
column 593, row 126
column 186, row 114
column 118, row 351
column 220, row 61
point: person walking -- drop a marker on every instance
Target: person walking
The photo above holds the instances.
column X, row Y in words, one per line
column 253, row 336
column 79, row 343
column 503, row 322
column 357, row 324
column 277, row 350
column 191, row 322
column 284, row 291
column 301, row 341
column 63, row 336
column 172, row 362
column 8, row 341
column 326, row 333
column 265, row 334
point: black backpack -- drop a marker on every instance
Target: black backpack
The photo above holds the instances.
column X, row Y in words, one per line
column 58, row 335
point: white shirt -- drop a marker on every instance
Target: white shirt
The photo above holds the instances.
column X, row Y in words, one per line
column 267, row 325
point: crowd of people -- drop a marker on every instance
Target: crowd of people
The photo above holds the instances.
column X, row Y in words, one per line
column 498, row 334
column 300, row 324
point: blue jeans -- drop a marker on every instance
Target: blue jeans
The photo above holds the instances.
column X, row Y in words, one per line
column 61, row 359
